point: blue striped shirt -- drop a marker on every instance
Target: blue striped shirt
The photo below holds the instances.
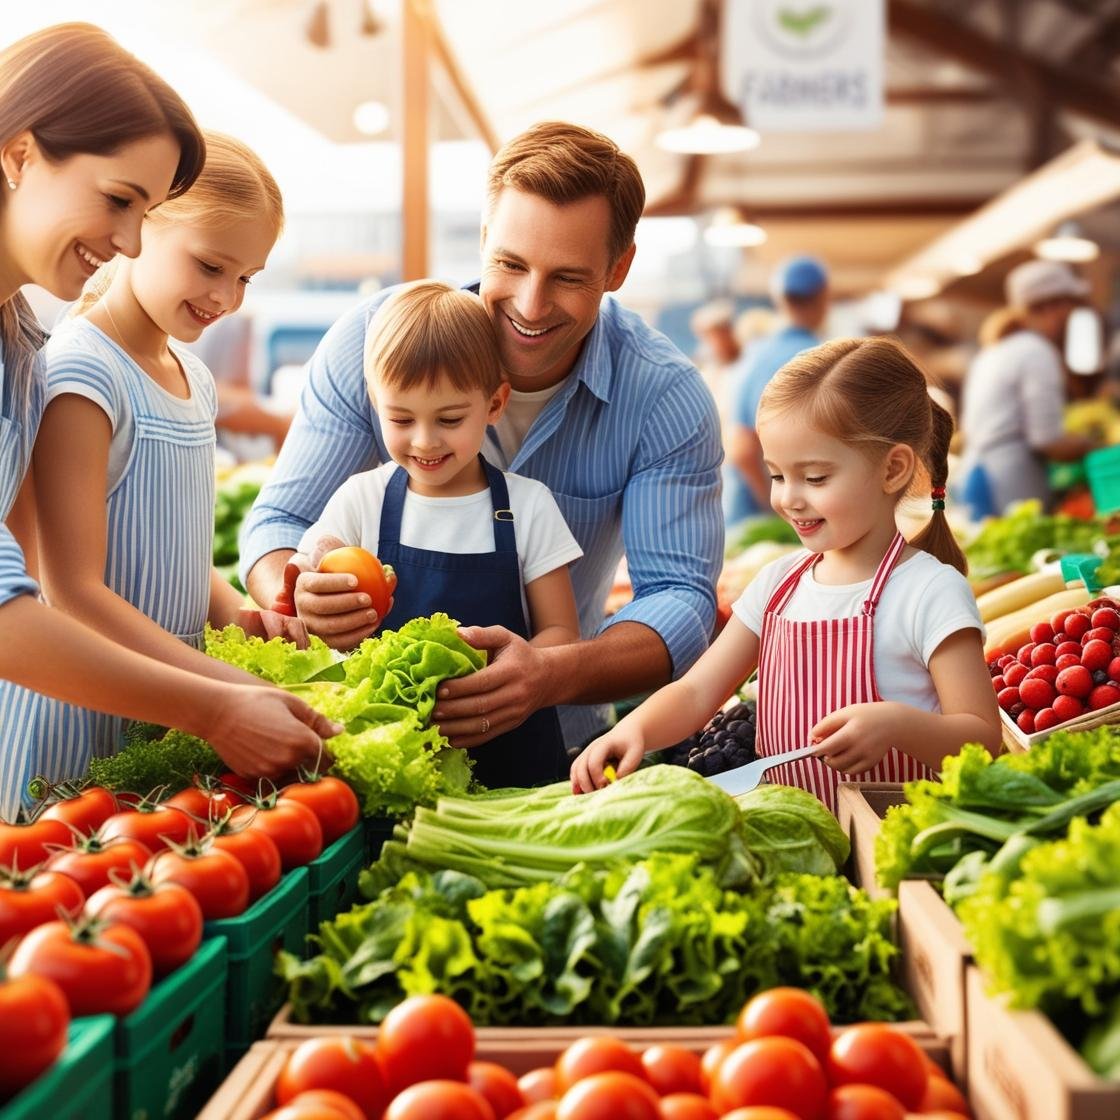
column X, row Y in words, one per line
column 630, row 448
column 17, row 437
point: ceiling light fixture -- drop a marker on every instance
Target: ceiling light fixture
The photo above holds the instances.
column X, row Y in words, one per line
column 317, row 30
column 1067, row 244
column 371, row 117
column 710, row 123
column 729, row 228
column 370, row 24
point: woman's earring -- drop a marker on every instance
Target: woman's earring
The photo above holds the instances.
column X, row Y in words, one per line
column 12, row 184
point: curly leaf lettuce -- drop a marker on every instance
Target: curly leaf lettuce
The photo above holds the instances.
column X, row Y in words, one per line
column 276, row 660
column 789, row 829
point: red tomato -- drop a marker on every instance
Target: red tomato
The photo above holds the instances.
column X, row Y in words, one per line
column 539, row 1110
column 309, row 1109
column 942, row 1094
column 775, row 1071
column 596, row 1054
column 101, row 970
column 153, row 826
column 791, row 1013
column 760, row 1112
column 27, row 845
column 292, row 827
column 207, row 805
column 712, row 1059
column 497, row 1085
column 215, row 878
column 90, row 860
column 875, row 1054
column 168, row 919
column 256, row 852
column 425, row 1038
column 539, row 1085
column 87, row 811
column 34, row 1017
column 377, row 580
column 331, row 800
column 342, row 1063
column 439, row 1100
column 609, row 1096
column 342, row 1106
column 943, row 1114
column 687, row 1106
column 30, row 898
column 671, row 1069
column 245, row 787
column 863, row 1102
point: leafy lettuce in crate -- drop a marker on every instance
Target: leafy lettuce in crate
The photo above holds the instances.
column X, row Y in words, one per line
column 276, row 660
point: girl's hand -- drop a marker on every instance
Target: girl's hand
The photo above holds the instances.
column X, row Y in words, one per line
column 273, row 624
column 623, row 751
column 855, row 738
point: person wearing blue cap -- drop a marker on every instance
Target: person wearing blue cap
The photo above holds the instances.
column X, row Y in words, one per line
column 799, row 288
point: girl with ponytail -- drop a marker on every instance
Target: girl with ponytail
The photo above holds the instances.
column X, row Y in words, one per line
column 91, row 139
column 868, row 647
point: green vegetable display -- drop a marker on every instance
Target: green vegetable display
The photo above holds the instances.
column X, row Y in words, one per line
column 949, row 829
column 232, row 501
column 1046, row 930
column 510, row 838
column 147, row 761
column 789, row 829
column 755, row 529
column 656, row 941
column 275, row 660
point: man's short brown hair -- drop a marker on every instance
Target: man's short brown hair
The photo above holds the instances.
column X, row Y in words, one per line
column 566, row 163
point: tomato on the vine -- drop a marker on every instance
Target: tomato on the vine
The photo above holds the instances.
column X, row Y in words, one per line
column 85, row 811
column 217, row 879
column 205, row 803
column 23, row 846
column 34, row 1017
column 155, row 826
column 101, row 968
column 91, row 859
column 30, row 898
column 331, row 800
column 167, row 917
column 254, row 849
column 292, row 827
column 425, row 1038
column 343, row 1063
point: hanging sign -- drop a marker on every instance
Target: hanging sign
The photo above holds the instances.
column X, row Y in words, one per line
column 805, row 65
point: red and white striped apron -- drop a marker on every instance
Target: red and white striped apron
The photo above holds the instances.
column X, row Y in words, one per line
column 807, row 670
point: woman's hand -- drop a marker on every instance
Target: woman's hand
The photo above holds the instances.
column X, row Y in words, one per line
column 617, row 748
column 854, row 739
column 273, row 624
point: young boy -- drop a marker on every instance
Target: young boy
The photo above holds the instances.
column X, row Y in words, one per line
column 486, row 547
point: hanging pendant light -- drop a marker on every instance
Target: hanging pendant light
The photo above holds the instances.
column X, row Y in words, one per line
column 730, row 228
column 1067, row 244
column 317, row 30
column 709, row 123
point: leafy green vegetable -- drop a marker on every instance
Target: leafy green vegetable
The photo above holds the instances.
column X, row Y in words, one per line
column 789, row 829
column 516, row 837
column 276, row 660
column 656, row 941
column 143, row 763
column 1101, row 1048
column 756, row 529
column 232, row 501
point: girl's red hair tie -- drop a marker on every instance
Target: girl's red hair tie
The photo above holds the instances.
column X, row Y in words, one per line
column 938, row 493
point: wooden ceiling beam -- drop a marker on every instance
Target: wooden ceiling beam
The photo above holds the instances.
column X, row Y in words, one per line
column 682, row 203
column 1063, row 88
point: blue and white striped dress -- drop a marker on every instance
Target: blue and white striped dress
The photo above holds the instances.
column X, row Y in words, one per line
column 159, row 541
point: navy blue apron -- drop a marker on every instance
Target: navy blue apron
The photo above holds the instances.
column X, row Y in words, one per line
column 479, row 589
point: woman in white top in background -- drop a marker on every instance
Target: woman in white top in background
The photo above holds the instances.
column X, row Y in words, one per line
column 90, row 140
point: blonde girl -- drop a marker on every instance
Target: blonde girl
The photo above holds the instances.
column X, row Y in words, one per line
column 123, row 466
column 865, row 645
column 90, row 140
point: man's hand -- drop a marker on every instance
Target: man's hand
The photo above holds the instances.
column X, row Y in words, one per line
column 326, row 602
column 474, row 709
column 272, row 624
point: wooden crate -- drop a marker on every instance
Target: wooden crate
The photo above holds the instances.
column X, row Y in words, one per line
column 247, row 1093
column 1021, row 1068
column 860, row 808
column 1017, row 741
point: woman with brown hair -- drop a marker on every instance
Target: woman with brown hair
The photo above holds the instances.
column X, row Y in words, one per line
column 90, row 140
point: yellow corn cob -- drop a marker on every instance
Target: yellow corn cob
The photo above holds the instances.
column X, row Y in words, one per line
column 1007, row 634
column 1018, row 594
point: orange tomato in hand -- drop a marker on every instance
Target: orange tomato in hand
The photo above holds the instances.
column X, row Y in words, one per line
column 377, row 580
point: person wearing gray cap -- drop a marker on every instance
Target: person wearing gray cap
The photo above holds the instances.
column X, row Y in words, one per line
column 799, row 288
column 1014, row 394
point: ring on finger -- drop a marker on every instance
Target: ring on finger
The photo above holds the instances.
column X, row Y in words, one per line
column 485, row 725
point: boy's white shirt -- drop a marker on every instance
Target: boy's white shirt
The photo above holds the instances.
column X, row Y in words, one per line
column 924, row 602
column 453, row 525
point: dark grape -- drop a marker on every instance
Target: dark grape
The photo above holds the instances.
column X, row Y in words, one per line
column 725, row 743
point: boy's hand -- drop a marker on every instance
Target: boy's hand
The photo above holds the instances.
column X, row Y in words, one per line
column 622, row 751
column 855, row 738
column 326, row 602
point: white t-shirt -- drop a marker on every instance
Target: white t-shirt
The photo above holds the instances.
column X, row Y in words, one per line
column 924, row 601
column 523, row 408
column 454, row 525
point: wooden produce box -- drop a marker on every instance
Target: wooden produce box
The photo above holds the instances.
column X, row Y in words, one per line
column 247, row 1093
column 860, row 808
column 1021, row 1068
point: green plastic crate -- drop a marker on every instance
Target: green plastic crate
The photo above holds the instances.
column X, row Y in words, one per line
column 171, row 1049
column 253, row 992
column 332, row 879
column 377, row 831
column 79, row 1086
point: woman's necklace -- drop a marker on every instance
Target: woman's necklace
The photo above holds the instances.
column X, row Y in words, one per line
column 113, row 323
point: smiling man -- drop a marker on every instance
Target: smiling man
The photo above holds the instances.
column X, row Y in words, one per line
column 604, row 411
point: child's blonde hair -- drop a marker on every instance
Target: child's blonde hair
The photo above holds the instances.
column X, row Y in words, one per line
column 870, row 392
column 429, row 330
column 233, row 186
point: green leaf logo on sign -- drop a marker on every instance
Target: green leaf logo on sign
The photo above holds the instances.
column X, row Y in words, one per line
column 801, row 30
